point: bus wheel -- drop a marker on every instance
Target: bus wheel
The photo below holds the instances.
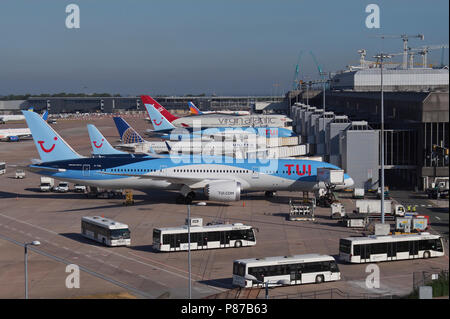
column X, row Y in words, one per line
column 319, row 279
column 426, row 254
column 238, row 244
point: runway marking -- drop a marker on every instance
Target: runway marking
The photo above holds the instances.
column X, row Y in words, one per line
column 126, row 270
column 64, row 247
column 119, row 255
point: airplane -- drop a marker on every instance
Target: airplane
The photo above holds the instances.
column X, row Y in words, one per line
column 218, row 178
column 16, row 134
column 15, row 117
column 130, row 138
column 220, row 120
column 185, row 143
column 195, row 111
column 163, row 126
column 101, row 146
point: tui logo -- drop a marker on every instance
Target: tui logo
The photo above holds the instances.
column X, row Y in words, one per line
column 98, row 146
column 47, row 150
column 297, row 169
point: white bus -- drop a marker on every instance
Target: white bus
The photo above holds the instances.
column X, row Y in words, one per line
column 387, row 248
column 106, row 231
column 2, row 168
column 203, row 237
column 285, row 270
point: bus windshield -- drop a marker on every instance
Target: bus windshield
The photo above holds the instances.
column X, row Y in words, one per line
column 345, row 246
column 156, row 236
column 239, row 269
column 120, row 234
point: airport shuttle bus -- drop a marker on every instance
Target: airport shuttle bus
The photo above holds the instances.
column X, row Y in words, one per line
column 204, row 237
column 388, row 248
column 285, row 270
column 106, row 231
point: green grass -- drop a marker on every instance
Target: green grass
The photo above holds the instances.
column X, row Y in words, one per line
column 440, row 287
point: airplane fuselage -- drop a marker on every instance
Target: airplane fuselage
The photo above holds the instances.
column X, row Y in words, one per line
column 144, row 172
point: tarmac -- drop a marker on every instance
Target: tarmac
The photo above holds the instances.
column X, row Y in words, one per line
column 54, row 219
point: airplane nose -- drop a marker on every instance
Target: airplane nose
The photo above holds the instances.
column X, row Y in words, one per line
column 349, row 182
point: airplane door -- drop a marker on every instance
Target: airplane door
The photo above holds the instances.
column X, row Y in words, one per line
column 163, row 170
column 255, row 173
column 86, row 170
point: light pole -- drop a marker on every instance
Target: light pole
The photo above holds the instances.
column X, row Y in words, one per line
column 34, row 243
column 189, row 251
column 381, row 57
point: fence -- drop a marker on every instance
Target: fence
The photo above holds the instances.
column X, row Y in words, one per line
column 425, row 278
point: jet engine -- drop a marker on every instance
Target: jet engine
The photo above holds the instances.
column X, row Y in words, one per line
column 223, row 191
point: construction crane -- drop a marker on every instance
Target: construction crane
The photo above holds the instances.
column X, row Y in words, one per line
column 423, row 51
column 322, row 77
column 295, row 81
column 405, row 39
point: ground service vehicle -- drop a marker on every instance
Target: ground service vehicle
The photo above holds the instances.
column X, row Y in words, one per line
column 203, row 237
column 47, row 184
column 63, row 187
column 285, row 270
column 79, row 188
column 389, row 248
column 20, row 173
column 106, row 231
column 2, row 168
column 373, row 206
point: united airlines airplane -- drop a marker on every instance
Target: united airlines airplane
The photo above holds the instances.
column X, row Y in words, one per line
column 219, row 178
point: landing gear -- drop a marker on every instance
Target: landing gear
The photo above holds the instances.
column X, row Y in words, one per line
column 269, row 194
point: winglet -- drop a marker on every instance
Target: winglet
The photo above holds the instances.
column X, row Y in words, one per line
column 45, row 115
column 100, row 145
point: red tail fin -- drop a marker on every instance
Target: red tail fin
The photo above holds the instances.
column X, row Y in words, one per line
column 147, row 99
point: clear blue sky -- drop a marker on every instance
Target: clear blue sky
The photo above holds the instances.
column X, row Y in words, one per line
column 180, row 47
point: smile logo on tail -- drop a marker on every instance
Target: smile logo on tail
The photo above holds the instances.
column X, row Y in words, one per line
column 157, row 124
column 47, row 150
column 98, row 146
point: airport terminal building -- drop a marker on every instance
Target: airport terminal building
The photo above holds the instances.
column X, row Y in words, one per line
column 416, row 113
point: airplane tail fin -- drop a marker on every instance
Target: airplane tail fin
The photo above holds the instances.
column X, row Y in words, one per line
column 193, row 109
column 127, row 134
column 50, row 145
column 100, row 145
column 148, row 100
column 45, row 115
column 159, row 121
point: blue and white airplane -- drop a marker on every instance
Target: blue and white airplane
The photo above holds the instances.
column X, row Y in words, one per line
column 16, row 134
column 169, row 131
column 219, row 178
column 101, row 146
